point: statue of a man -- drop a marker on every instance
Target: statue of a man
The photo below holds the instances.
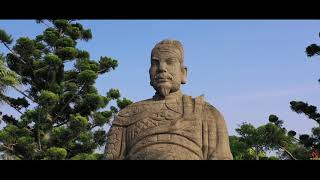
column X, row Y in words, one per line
column 170, row 125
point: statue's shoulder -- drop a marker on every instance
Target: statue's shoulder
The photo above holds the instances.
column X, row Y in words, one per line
column 127, row 115
column 212, row 112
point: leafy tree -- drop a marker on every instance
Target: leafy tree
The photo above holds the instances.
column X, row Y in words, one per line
column 68, row 116
column 255, row 142
column 7, row 77
column 242, row 151
column 310, row 142
column 274, row 136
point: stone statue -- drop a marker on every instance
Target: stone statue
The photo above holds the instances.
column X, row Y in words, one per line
column 170, row 125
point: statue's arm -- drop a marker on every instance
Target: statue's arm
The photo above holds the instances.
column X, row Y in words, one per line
column 115, row 146
column 218, row 137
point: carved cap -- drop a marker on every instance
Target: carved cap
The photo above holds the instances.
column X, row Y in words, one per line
column 170, row 45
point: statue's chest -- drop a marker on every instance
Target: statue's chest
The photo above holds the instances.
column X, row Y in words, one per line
column 167, row 125
column 157, row 116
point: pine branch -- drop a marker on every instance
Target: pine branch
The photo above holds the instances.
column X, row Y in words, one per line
column 11, row 150
column 43, row 22
column 61, row 124
column 66, row 104
column 297, row 140
column 19, row 58
column 95, row 125
column 5, row 99
column 2, row 146
column 288, row 153
column 25, row 95
column 102, row 70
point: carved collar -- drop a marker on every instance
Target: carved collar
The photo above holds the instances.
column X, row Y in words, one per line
column 171, row 96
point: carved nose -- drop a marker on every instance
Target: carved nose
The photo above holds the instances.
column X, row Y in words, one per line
column 162, row 67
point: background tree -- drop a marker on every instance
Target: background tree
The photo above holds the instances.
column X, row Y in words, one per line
column 310, row 142
column 274, row 136
column 242, row 151
column 8, row 78
column 254, row 143
column 68, row 117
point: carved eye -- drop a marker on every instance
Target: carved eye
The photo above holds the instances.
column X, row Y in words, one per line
column 154, row 61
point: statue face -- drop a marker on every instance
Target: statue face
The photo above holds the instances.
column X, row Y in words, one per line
column 166, row 72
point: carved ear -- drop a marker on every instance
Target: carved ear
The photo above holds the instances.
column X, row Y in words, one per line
column 184, row 72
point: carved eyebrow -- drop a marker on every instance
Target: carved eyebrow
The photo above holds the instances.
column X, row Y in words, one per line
column 171, row 59
column 155, row 58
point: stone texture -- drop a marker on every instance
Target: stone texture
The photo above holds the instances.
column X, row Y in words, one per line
column 171, row 125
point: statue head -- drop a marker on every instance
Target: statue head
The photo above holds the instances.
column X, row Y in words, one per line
column 167, row 70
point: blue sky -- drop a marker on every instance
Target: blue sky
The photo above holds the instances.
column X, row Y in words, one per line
column 248, row 69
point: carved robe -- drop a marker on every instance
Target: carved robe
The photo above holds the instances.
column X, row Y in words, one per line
column 178, row 127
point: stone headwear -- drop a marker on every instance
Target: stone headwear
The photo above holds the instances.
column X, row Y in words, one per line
column 172, row 46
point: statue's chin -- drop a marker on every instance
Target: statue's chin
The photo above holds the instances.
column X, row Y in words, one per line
column 164, row 90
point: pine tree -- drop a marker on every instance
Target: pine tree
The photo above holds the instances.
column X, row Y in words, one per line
column 8, row 78
column 312, row 141
column 306, row 146
column 69, row 117
column 254, row 142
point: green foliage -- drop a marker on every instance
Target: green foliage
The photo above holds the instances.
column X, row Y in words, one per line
column 309, row 110
column 67, row 53
column 67, row 115
column 312, row 50
column 4, row 37
column 52, row 59
column 83, row 55
column 50, row 36
column 123, row 103
column 292, row 133
column 273, row 136
column 84, row 156
column 316, row 131
column 25, row 47
column 86, row 64
column 114, row 109
column 100, row 136
column 7, row 77
column 59, row 136
column 273, row 118
column 87, row 77
column 101, row 118
column 78, row 122
column 242, row 151
column 48, row 98
column 238, row 148
column 61, row 24
column 254, row 143
column 113, row 94
column 311, row 142
column 18, row 103
column 107, row 63
column 56, row 153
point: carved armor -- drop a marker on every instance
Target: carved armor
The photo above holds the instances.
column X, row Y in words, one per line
column 177, row 127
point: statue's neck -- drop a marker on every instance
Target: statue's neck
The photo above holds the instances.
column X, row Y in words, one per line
column 173, row 95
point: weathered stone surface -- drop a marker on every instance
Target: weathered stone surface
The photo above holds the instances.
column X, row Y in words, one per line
column 171, row 125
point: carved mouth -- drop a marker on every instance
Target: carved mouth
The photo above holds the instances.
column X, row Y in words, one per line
column 163, row 78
